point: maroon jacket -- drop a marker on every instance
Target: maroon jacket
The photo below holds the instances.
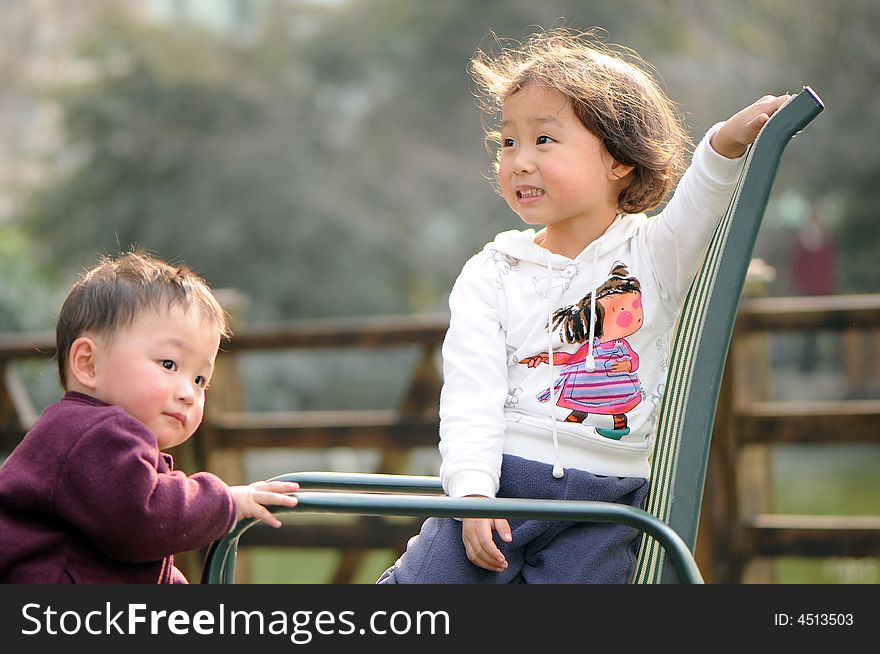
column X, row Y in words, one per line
column 87, row 497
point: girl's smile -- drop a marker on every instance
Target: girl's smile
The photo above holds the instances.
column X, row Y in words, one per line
column 528, row 194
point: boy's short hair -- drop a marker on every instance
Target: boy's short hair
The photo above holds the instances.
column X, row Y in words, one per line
column 111, row 295
column 613, row 94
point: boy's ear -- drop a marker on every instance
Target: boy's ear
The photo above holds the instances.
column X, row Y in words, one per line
column 81, row 361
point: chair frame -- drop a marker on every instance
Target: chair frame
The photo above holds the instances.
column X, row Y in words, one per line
column 684, row 427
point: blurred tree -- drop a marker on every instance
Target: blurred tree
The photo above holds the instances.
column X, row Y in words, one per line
column 27, row 291
column 334, row 165
column 208, row 152
column 760, row 47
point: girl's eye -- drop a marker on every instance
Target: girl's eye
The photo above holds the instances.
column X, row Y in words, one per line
column 168, row 364
column 507, row 143
column 543, row 139
column 201, row 381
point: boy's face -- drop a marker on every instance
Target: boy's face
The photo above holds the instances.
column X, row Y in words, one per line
column 552, row 170
column 157, row 369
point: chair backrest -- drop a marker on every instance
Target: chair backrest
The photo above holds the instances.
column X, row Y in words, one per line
column 702, row 337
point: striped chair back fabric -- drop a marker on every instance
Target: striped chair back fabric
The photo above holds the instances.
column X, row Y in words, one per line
column 701, row 340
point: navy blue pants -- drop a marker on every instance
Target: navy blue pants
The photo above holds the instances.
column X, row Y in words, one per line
column 541, row 552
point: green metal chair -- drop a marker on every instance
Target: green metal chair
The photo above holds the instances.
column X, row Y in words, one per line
column 684, row 426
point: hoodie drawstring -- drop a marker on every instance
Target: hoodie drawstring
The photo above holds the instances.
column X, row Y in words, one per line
column 558, row 472
column 590, row 361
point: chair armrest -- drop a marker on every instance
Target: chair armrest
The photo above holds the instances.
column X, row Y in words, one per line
column 360, row 481
column 220, row 561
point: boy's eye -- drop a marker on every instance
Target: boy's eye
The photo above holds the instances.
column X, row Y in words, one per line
column 543, row 139
column 201, row 381
column 168, row 364
column 507, row 143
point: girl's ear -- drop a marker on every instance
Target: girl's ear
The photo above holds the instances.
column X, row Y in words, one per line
column 618, row 170
column 81, row 361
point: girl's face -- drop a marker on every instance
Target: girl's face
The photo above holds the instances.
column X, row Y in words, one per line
column 552, row 170
column 623, row 315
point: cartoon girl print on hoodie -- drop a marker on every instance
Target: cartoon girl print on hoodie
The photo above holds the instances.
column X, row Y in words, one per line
column 600, row 377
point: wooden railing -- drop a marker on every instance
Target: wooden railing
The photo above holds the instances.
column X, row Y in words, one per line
column 17, row 410
column 227, row 433
column 396, row 430
column 736, row 526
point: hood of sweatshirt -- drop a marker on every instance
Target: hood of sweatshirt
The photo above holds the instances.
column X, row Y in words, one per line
column 521, row 244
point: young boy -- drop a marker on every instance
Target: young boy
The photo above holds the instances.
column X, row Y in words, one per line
column 89, row 496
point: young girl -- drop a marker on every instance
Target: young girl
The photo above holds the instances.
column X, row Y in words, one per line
column 588, row 143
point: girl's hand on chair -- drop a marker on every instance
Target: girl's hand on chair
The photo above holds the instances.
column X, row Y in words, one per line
column 476, row 534
column 251, row 500
column 741, row 129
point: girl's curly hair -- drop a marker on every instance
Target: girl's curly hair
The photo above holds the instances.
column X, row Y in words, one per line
column 611, row 91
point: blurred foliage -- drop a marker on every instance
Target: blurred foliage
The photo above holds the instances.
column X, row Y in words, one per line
column 334, row 165
column 27, row 293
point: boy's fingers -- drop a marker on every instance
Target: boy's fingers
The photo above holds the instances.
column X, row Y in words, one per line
column 277, row 486
column 278, row 498
column 260, row 512
column 270, row 519
column 286, row 485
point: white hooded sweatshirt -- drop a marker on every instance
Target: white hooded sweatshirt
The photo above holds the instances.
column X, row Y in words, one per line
column 594, row 403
